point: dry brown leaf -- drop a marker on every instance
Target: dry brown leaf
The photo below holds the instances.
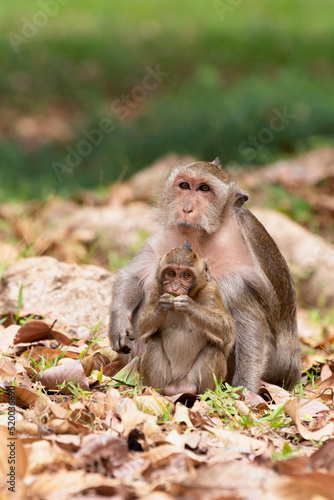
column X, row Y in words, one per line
column 7, row 370
column 56, row 409
column 181, row 416
column 7, row 336
column 69, row 442
column 227, row 480
column 156, row 404
column 105, row 349
column 113, row 399
column 37, row 352
column 132, row 469
column 324, row 457
column 321, row 388
column 162, row 454
column 43, row 455
column 36, row 330
column 293, row 408
column 61, row 337
column 59, row 426
column 313, row 487
column 312, row 407
column 113, row 368
column 64, row 483
column 254, row 400
column 57, row 376
column 30, row 428
column 88, row 364
column 32, row 331
column 103, row 445
column 235, row 440
column 279, row 395
column 152, row 432
column 82, row 415
column 24, row 396
column 326, row 373
column 132, row 418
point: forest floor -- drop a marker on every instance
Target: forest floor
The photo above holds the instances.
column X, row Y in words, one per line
column 74, row 424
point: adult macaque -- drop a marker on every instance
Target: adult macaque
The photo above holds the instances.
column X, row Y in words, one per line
column 185, row 326
column 201, row 202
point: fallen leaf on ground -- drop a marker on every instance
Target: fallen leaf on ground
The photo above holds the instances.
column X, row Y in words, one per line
column 293, row 408
column 58, row 378
column 233, row 439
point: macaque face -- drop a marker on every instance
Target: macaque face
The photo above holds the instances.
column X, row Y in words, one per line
column 194, row 197
column 197, row 201
column 177, row 280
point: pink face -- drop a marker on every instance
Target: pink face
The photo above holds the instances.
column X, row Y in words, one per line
column 194, row 197
column 177, row 280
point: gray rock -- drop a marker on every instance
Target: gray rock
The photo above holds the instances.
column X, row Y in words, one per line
column 311, row 258
column 77, row 296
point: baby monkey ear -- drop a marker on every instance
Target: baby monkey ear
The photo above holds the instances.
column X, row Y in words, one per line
column 240, row 198
column 207, row 270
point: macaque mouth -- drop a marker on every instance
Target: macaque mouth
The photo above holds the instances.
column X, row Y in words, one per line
column 189, row 224
column 178, row 293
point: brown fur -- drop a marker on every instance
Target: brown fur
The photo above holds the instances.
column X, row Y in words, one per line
column 254, row 281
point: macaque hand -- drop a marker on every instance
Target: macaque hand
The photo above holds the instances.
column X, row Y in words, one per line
column 120, row 342
column 183, row 303
column 166, row 302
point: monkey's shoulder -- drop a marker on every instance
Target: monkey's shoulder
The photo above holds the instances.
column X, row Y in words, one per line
column 209, row 295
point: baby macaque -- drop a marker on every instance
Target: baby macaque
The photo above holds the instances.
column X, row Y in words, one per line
column 185, row 326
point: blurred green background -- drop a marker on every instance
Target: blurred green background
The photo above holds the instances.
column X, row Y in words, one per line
column 74, row 72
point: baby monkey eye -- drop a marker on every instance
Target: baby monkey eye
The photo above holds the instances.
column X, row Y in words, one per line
column 187, row 276
column 204, row 187
column 172, row 274
column 184, row 185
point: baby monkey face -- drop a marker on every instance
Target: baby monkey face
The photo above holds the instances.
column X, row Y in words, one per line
column 177, row 279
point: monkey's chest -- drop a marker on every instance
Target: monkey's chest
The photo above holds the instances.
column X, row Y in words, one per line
column 182, row 341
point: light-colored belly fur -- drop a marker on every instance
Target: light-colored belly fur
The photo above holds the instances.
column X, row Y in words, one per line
column 178, row 350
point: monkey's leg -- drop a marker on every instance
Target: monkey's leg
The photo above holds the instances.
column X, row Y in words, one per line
column 200, row 377
column 250, row 350
column 284, row 361
column 155, row 367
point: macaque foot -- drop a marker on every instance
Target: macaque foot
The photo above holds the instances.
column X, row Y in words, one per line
column 171, row 390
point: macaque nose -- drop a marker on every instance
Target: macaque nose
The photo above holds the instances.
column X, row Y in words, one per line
column 188, row 208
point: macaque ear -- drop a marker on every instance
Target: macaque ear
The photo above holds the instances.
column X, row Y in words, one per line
column 216, row 162
column 207, row 270
column 240, row 198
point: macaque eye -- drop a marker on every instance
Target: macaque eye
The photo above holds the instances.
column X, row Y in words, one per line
column 204, row 187
column 172, row 274
column 184, row 185
column 187, row 276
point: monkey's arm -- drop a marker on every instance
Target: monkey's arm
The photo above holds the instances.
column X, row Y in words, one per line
column 153, row 316
column 214, row 322
column 127, row 296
